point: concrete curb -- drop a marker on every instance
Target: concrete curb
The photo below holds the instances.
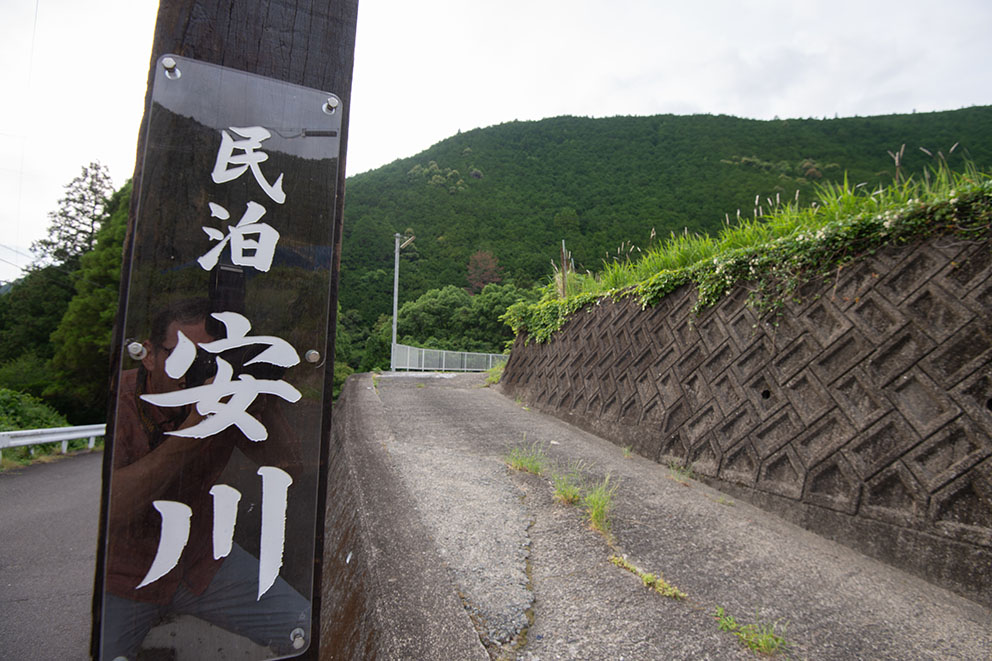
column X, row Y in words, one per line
column 386, row 592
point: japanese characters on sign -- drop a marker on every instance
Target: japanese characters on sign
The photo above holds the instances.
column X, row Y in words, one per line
column 212, row 509
column 224, row 402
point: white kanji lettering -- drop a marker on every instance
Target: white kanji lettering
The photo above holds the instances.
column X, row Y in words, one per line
column 250, row 159
column 224, row 402
column 252, row 243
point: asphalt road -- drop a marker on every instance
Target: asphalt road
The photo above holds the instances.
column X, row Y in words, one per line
column 48, row 535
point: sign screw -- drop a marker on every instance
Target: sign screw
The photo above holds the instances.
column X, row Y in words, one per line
column 171, row 69
column 331, row 105
column 312, row 356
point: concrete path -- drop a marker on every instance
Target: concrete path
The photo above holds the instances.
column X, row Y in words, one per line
column 48, row 533
column 538, row 582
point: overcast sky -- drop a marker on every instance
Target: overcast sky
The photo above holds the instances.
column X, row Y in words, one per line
column 73, row 74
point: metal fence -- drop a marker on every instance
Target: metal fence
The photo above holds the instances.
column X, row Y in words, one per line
column 13, row 439
column 405, row 357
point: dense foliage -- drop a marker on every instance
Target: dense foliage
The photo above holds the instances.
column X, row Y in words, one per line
column 490, row 209
column 779, row 253
column 518, row 189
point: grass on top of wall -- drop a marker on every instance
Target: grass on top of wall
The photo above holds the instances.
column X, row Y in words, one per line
column 778, row 249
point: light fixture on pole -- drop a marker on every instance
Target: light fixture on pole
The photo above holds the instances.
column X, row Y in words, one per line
column 396, row 289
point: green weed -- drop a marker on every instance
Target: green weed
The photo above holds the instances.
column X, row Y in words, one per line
column 628, row 451
column 597, row 502
column 495, row 373
column 679, row 473
column 530, row 459
column 761, row 637
column 568, row 486
column 779, row 251
column 656, row 583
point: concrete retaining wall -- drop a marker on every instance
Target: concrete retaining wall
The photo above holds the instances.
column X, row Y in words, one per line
column 863, row 413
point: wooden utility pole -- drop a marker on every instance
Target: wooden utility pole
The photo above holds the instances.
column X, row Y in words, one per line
column 304, row 42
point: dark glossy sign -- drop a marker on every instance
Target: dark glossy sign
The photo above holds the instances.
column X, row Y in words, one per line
column 212, row 510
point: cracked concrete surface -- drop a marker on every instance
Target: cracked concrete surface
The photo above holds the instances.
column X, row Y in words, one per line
column 538, row 584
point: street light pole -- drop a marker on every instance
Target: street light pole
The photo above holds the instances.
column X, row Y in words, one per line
column 396, row 290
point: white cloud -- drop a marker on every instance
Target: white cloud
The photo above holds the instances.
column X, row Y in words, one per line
column 424, row 70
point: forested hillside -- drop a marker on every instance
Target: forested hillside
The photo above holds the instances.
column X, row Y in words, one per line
column 518, row 189
column 489, row 209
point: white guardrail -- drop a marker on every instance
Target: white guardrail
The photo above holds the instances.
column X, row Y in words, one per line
column 405, row 357
column 13, row 439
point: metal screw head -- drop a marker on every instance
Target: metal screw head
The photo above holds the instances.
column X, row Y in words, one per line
column 136, row 350
column 331, row 105
column 171, row 68
column 312, row 356
column 299, row 638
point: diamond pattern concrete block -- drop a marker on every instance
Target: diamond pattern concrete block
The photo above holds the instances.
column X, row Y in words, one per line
column 727, row 394
column 861, row 403
column 894, row 496
column 775, row 433
column 741, row 327
column 969, row 348
column 835, row 485
column 808, row 397
column 740, row 465
column 717, row 361
column 948, row 453
column 872, row 397
column 969, row 268
column 711, row 331
column 850, row 349
column 695, row 390
column 736, row 426
column 704, row 457
column 696, row 426
column 898, row 354
column 794, row 357
column 935, row 311
column 782, row 473
column 753, row 358
column 963, row 509
column 690, row 360
column 883, row 442
column 906, row 276
column 764, row 394
column 980, row 301
column 823, row 438
column 854, row 282
column 922, row 403
column 825, row 321
column 974, row 395
column 876, row 316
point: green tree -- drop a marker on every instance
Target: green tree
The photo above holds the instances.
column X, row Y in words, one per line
column 73, row 225
column 83, row 337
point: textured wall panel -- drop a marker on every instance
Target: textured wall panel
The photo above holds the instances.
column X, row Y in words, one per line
column 863, row 412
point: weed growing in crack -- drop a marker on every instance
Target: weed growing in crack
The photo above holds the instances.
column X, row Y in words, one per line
column 656, row 583
column 597, row 502
column 567, row 486
column 530, row 459
column 761, row 637
column 628, row 451
column 679, row 473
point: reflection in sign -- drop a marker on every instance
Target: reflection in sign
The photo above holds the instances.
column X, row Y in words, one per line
column 217, row 435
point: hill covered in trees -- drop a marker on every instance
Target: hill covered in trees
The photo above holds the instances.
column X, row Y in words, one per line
column 516, row 190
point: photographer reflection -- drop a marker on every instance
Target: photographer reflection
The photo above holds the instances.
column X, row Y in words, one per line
column 167, row 459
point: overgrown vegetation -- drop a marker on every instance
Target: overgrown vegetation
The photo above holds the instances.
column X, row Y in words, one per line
column 762, row 637
column 597, row 503
column 655, row 582
column 530, row 459
column 21, row 411
column 776, row 253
